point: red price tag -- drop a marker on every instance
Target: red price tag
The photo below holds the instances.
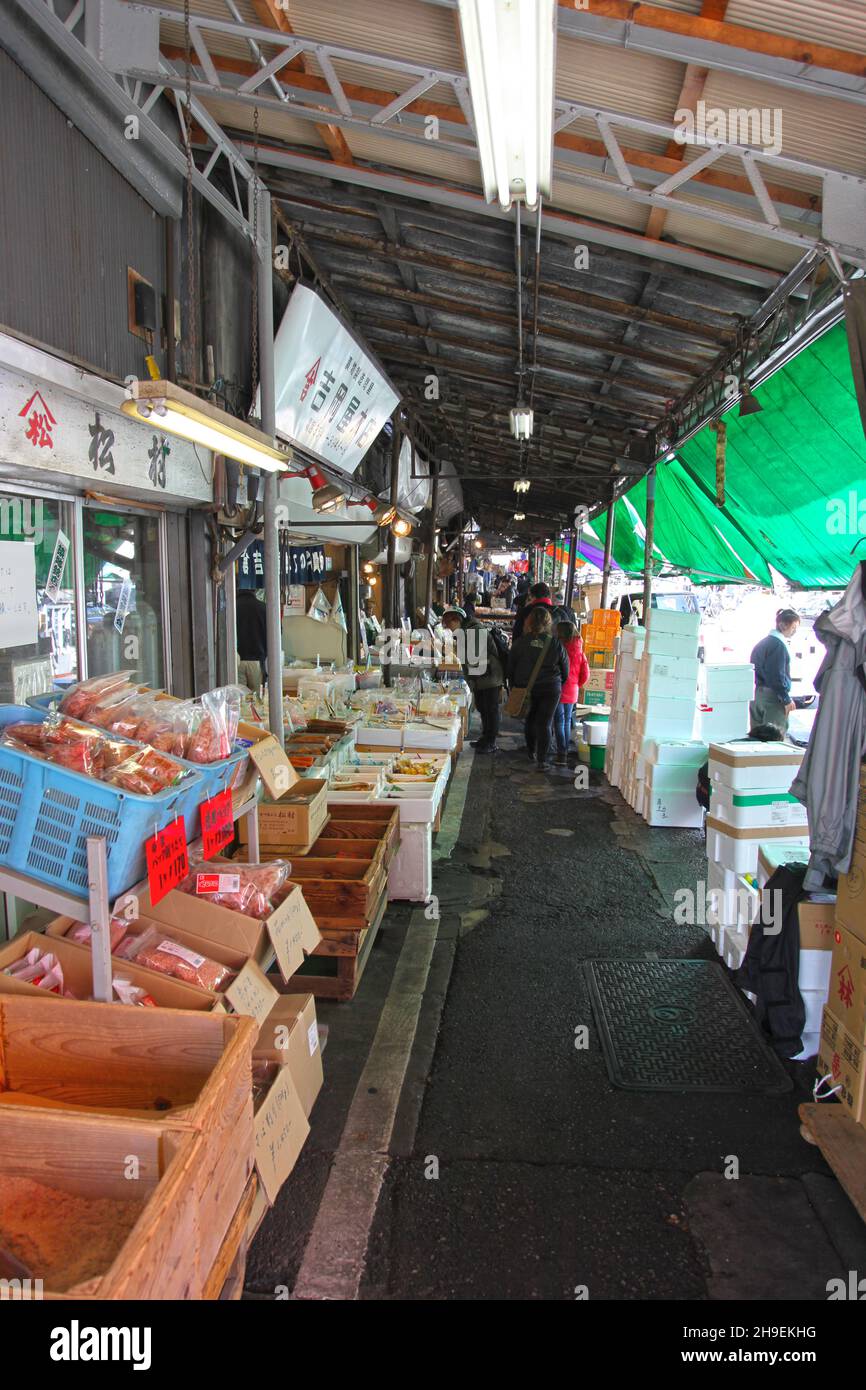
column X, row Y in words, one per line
column 217, row 823
column 167, row 860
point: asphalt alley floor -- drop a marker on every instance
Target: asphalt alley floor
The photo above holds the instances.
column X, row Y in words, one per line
column 515, row 1169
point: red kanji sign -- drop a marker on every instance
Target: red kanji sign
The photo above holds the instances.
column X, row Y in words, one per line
column 217, row 823
column 310, row 377
column 167, row 860
column 846, row 986
column 40, row 422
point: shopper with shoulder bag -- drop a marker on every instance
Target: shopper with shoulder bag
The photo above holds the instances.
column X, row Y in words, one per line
column 537, row 671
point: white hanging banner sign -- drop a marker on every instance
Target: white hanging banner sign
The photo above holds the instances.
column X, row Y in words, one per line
column 332, row 398
column 19, row 615
column 57, row 567
column 123, row 604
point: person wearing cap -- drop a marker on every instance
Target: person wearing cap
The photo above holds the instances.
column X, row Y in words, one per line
column 484, row 672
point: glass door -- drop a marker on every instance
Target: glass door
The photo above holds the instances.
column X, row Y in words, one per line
column 123, row 592
column 38, row 634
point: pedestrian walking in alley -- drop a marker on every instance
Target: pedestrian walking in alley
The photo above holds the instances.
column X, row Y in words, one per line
column 484, row 669
column 772, row 662
column 578, row 674
column 539, row 665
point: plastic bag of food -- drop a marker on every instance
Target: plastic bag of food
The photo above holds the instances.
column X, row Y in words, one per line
column 81, row 932
column 128, row 993
column 41, row 969
column 90, row 694
column 146, row 772
column 247, row 888
column 157, row 951
column 214, row 733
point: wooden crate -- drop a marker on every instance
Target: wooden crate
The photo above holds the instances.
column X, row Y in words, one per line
column 342, row 957
column 89, row 1156
column 367, row 821
column 341, row 893
column 114, row 1057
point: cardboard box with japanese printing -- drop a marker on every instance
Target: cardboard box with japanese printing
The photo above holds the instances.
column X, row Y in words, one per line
column 847, row 996
column 842, row 1059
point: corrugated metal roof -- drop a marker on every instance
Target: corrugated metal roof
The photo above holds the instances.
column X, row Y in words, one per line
column 838, row 23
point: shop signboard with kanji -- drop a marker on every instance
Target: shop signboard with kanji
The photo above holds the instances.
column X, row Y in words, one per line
column 332, row 397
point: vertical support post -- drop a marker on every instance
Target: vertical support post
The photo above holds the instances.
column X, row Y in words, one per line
column 431, row 553
column 272, row 485
column 648, row 544
column 353, row 620
column 609, row 534
column 459, row 587
column 100, row 917
column 572, row 562
column 230, row 589
column 389, row 609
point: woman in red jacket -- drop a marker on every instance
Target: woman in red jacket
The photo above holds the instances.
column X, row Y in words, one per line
column 578, row 674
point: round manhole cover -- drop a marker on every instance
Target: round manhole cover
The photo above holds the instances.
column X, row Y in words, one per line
column 671, row 1013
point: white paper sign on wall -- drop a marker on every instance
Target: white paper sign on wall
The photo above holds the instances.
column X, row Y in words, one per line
column 19, row 615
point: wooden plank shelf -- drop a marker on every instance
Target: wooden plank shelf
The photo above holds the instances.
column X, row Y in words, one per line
column 843, row 1143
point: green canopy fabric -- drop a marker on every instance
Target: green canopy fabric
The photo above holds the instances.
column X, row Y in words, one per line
column 795, row 485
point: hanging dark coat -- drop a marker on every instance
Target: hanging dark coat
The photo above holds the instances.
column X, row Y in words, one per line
column 771, row 967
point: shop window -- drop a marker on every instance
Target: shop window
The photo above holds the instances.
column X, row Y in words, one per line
column 123, row 592
column 38, row 647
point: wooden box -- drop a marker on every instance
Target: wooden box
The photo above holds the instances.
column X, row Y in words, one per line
column 341, row 893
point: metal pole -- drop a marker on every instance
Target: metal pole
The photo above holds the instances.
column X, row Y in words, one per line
column 572, row 561
column 459, row 587
column 272, row 486
column 609, row 533
column 100, row 913
column 389, row 609
column 431, row 554
column 648, row 544
column 353, row 616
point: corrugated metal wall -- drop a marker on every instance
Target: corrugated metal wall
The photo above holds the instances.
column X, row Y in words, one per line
column 69, row 227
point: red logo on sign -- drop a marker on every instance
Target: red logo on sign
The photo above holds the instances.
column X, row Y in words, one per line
column 846, row 986
column 311, row 377
column 40, row 422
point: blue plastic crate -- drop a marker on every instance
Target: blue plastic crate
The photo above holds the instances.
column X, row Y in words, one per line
column 47, row 812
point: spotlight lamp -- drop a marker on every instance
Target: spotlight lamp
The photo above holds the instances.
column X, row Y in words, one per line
column 326, row 496
column 749, row 403
column 401, row 527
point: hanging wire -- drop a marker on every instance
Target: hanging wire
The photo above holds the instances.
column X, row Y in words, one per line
column 534, row 368
column 254, row 263
column 191, row 277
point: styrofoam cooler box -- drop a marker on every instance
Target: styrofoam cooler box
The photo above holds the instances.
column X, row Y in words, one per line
column 675, row 753
column 717, row 935
column 735, row 941
column 676, row 807
column 723, row 684
column 668, row 719
column 735, row 903
column 379, row 736
column 410, row 878
column 813, row 1002
column 670, row 620
column 738, row 849
column 668, row 682
column 596, row 731
column 631, row 641
column 718, row 877
column 424, row 736
column 811, row 1042
column 775, row 853
column 723, row 721
column 815, row 971
column 677, row 777
column 748, row 809
column 748, row 766
column 672, row 644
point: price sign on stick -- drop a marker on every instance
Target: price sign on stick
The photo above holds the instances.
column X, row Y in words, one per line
column 167, row 860
column 217, row 823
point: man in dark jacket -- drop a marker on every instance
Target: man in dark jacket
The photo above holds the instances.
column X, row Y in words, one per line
column 252, row 639
column 772, row 662
column 484, row 672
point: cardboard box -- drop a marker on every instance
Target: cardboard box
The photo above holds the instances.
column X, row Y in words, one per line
column 851, row 898
column 294, row 820
column 280, row 1130
column 752, row 767
column 77, row 965
column 290, row 1035
column 841, row 1058
column 847, row 993
column 267, row 761
column 600, row 680
column 817, row 926
column 738, row 849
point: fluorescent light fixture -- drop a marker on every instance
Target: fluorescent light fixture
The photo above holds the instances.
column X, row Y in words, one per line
column 521, row 421
column 520, row 516
column 167, row 407
column 521, row 485
column 510, row 47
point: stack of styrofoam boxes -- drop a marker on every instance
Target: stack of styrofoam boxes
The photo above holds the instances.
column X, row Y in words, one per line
column 724, row 693
column 620, row 755
column 665, row 712
column 670, row 782
column 599, row 639
column 750, row 807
